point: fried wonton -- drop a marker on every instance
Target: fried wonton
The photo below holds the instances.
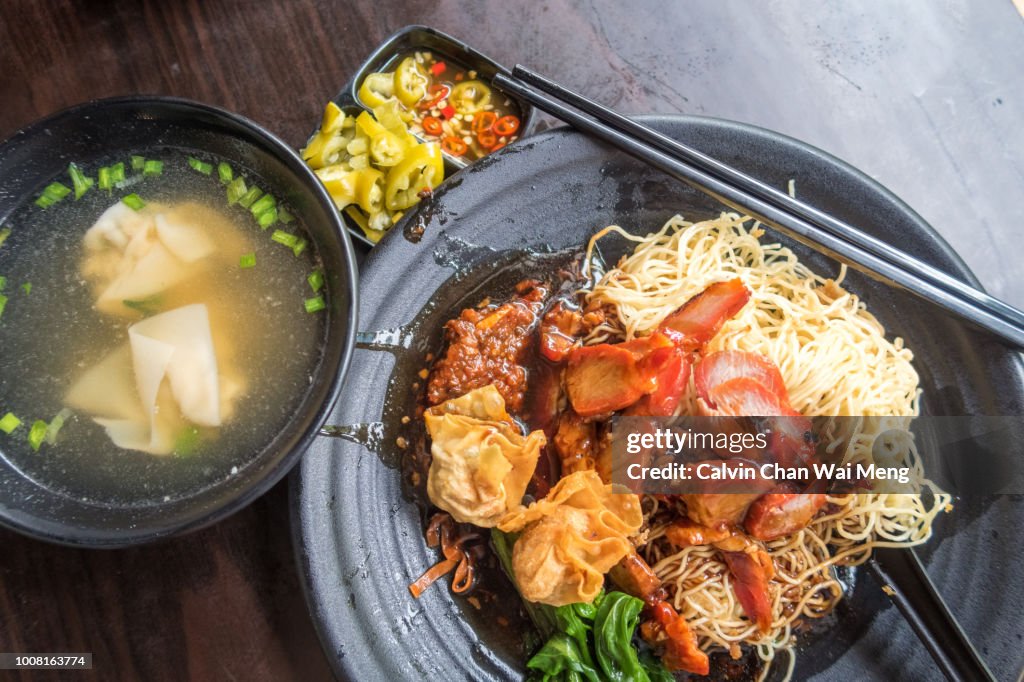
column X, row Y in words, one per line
column 481, row 463
column 571, row 539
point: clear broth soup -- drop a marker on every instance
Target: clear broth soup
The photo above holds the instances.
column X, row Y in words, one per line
column 53, row 333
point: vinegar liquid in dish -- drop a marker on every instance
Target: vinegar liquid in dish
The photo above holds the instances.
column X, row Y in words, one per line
column 158, row 331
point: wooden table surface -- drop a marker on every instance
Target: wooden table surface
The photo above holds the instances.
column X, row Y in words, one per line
column 925, row 96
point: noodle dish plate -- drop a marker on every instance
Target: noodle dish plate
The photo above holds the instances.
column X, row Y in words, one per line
column 528, row 210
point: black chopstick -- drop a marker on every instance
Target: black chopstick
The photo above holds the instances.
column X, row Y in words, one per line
column 915, row 596
column 798, row 220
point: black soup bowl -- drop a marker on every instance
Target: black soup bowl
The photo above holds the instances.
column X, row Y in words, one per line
column 89, row 135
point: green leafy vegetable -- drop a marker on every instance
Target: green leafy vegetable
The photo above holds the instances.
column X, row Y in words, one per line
column 37, row 434
column 247, row 261
column 152, row 168
column 133, row 201
column 562, row 659
column 654, row 668
column 592, row 642
column 4, row 234
column 9, row 422
column 80, row 180
column 595, row 643
column 3, row 303
column 27, row 288
column 314, row 305
column 225, row 173
column 617, row 618
column 138, row 163
column 3, row 282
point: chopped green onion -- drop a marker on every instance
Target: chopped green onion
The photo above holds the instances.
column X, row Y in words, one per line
column 201, row 166
column 152, row 168
column 117, row 172
column 265, row 203
column 225, row 173
column 3, row 303
column 53, row 193
column 56, row 424
column 4, row 234
column 27, row 286
column 315, row 304
column 187, row 441
column 80, row 180
column 252, row 195
column 133, row 201
column 247, row 261
column 300, row 246
column 146, row 306
column 9, row 422
column 284, row 216
column 316, row 280
column 105, row 180
column 236, row 190
column 36, row 434
column 57, row 190
column 267, row 218
column 286, row 238
column 138, row 163
column 3, row 282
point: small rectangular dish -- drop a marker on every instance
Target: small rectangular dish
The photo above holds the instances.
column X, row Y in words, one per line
column 441, row 89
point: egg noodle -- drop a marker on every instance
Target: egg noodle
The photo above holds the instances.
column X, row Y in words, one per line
column 835, row 360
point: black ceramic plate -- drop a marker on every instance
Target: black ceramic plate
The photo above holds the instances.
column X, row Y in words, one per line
column 360, row 541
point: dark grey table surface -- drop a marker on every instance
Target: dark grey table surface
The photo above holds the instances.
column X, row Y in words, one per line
column 926, row 96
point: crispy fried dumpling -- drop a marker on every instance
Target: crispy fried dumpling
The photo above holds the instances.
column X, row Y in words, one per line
column 481, row 463
column 571, row 539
